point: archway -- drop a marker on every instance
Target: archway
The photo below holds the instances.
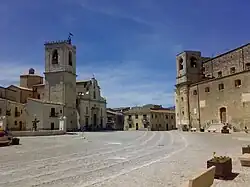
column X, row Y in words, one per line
column 223, row 115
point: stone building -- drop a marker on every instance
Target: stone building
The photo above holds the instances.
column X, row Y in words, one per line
column 91, row 105
column 213, row 90
column 149, row 117
column 115, row 120
column 60, row 95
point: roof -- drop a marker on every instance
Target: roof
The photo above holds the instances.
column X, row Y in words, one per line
column 162, row 111
column 19, row 87
column 113, row 112
column 45, row 102
column 83, row 81
column 230, row 51
column 31, row 75
column 37, row 85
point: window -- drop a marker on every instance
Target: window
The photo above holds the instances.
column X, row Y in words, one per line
column 207, row 89
column 220, row 74
column 193, row 62
column 166, row 116
column 38, row 96
column 247, row 66
column 87, row 110
column 152, row 116
column 182, row 114
column 0, row 111
column 52, row 112
column 194, row 92
column 130, row 125
column 136, row 116
column 70, row 58
column 94, row 95
column 172, row 117
column 237, row 83
column 180, row 64
column 129, row 117
column 15, row 122
column 221, row 86
column 60, row 111
column 232, row 70
column 160, row 125
column 182, row 99
column 55, row 57
column 86, row 121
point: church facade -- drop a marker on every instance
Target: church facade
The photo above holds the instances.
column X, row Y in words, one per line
column 60, row 95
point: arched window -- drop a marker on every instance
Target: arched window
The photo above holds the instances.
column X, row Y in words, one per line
column 70, row 58
column 193, row 62
column 180, row 64
column 55, row 57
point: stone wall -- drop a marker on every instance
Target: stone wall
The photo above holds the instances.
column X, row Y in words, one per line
column 231, row 97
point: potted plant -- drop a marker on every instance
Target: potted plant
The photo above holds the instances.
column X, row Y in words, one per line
column 225, row 130
column 223, row 166
column 246, row 149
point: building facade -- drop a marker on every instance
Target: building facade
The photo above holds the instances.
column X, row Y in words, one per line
column 115, row 120
column 91, row 105
column 149, row 117
column 213, row 90
column 60, row 95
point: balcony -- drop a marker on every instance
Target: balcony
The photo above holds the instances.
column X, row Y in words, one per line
column 53, row 115
column 129, row 119
column 8, row 113
column 110, row 121
column 145, row 120
column 17, row 114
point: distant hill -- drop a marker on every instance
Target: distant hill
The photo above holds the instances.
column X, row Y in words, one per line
column 171, row 108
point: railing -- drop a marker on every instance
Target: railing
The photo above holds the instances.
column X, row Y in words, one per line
column 110, row 121
column 129, row 119
column 53, row 115
column 17, row 114
column 8, row 113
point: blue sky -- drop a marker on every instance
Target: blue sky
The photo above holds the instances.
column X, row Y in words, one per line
column 129, row 45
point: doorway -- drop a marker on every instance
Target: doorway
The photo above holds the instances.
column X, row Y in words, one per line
column 223, row 115
column 167, row 126
column 94, row 120
column 137, row 126
column 20, row 125
column 52, row 126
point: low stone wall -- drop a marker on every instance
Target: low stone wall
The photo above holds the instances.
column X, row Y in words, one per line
column 38, row 133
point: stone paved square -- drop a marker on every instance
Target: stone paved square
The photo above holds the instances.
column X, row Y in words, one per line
column 148, row 158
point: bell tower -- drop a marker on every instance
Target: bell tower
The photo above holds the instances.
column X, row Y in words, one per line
column 60, row 77
column 188, row 70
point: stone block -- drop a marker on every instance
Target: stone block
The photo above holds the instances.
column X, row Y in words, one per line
column 245, row 160
column 204, row 179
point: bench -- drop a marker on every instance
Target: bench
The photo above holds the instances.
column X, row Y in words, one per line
column 204, row 179
column 193, row 129
column 245, row 160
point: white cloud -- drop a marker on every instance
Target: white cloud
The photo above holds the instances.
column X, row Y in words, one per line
column 124, row 84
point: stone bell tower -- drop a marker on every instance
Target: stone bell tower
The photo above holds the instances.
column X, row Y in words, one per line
column 188, row 70
column 60, row 77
